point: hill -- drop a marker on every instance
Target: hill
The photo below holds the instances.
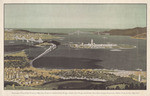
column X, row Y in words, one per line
column 138, row 32
column 10, row 34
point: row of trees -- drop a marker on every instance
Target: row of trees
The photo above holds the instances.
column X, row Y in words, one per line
column 14, row 58
column 87, row 74
column 133, row 86
column 18, row 61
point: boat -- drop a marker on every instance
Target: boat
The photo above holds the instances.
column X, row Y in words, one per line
column 115, row 50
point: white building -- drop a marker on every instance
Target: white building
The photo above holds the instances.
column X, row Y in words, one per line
column 39, row 40
column 32, row 39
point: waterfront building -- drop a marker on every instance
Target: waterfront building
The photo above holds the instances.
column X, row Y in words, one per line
column 17, row 37
column 93, row 45
column 39, row 40
column 32, row 39
column 92, row 42
column 17, row 75
column 23, row 38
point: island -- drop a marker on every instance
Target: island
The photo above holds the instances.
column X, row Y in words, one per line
column 92, row 45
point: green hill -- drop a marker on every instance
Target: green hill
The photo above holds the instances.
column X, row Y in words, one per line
column 134, row 32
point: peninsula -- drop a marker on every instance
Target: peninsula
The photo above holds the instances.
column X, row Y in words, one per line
column 137, row 33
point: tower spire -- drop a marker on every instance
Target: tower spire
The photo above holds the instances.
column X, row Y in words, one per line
column 92, row 41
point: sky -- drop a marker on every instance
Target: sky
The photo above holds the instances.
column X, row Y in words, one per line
column 120, row 16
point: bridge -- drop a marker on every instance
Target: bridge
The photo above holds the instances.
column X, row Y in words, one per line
column 51, row 48
column 77, row 32
column 28, row 40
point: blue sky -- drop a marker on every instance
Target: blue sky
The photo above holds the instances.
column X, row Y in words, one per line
column 75, row 15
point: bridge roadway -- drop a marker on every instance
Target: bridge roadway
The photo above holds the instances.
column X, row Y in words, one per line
column 51, row 48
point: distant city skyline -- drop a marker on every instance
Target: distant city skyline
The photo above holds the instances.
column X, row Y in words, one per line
column 120, row 16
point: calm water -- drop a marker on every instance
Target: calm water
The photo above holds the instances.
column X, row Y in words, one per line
column 65, row 57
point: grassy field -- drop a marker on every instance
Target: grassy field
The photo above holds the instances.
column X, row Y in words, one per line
column 69, row 84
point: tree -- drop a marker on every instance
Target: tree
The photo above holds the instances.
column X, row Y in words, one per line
column 101, row 86
column 145, row 87
column 136, row 86
column 131, row 76
column 126, row 87
column 142, row 86
column 117, row 88
column 13, row 86
column 60, row 87
column 131, row 86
